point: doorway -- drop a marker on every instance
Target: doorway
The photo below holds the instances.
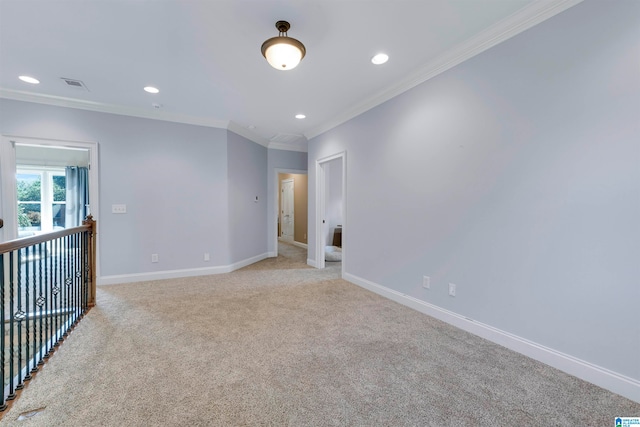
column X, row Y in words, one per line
column 38, row 166
column 299, row 209
column 330, row 208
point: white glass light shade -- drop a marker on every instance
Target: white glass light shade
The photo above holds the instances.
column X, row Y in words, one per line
column 283, row 53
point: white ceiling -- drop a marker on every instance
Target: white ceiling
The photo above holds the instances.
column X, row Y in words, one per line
column 204, row 55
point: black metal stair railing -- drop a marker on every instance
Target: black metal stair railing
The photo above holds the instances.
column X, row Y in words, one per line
column 47, row 285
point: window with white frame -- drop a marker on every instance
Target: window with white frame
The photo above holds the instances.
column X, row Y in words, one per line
column 41, row 194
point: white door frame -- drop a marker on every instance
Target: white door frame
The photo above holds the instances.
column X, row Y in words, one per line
column 8, row 178
column 8, row 190
column 320, row 208
column 293, row 186
column 276, row 202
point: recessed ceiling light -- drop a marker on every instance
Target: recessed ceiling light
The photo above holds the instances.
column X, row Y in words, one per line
column 380, row 58
column 151, row 89
column 300, row 116
column 28, row 79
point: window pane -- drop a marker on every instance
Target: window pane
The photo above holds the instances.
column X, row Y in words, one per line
column 28, row 187
column 59, row 188
column 29, row 216
column 58, row 215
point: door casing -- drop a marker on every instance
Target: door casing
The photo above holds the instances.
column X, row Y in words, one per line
column 320, row 208
column 8, row 205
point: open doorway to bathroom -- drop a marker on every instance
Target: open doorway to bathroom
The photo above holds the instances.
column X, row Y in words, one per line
column 330, row 211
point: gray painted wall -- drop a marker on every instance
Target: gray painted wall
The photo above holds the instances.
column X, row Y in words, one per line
column 172, row 177
column 285, row 160
column 516, row 176
column 247, row 169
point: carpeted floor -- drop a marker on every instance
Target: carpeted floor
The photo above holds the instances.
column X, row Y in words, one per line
column 294, row 346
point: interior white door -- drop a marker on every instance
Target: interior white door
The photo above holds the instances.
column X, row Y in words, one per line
column 286, row 210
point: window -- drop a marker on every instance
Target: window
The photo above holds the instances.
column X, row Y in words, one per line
column 41, row 199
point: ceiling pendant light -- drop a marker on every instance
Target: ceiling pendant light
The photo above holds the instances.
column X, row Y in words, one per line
column 283, row 52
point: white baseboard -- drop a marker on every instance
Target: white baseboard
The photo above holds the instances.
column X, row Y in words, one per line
column 174, row 274
column 248, row 261
column 271, row 254
column 311, row 262
column 293, row 242
column 602, row 377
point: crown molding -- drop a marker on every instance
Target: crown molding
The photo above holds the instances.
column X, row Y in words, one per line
column 511, row 26
column 100, row 107
column 246, row 133
column 300, row 146
column 60, row 101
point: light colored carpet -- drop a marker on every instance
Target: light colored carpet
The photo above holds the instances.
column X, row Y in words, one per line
column 291, row 347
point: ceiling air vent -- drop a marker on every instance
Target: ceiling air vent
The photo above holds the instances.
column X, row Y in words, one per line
column 285, row 138
column 75, row 84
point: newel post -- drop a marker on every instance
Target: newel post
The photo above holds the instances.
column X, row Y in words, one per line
column 89, row 221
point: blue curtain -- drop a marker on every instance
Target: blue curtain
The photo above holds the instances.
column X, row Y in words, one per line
column 77, row 183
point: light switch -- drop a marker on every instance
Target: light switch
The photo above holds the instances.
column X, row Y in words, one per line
column 119, row 209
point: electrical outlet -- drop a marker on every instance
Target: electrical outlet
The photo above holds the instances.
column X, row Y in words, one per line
column 119, row 209
column 452, row 289
column 154, row 257
column 206, row 256
column 426, row 282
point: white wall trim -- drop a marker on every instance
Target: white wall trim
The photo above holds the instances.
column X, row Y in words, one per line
column 8, row 189
column 243, row 263
column 300, row 146
column 311, row 262
column 602, row 377
column 61, row 101
column 160, row 275
column 520, row 21
column 300, row 245
column 174, row 274
column 236, row 128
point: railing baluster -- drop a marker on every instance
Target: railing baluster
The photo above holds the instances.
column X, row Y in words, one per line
column 57, row 291
column 19, row 317
column 40, row 301
column 3, row 405
column 36, row 274
column 67, row 287
column 76, row 271
column 27, row 286
column 85, row 271
column 47, row 299
column 12, row 393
